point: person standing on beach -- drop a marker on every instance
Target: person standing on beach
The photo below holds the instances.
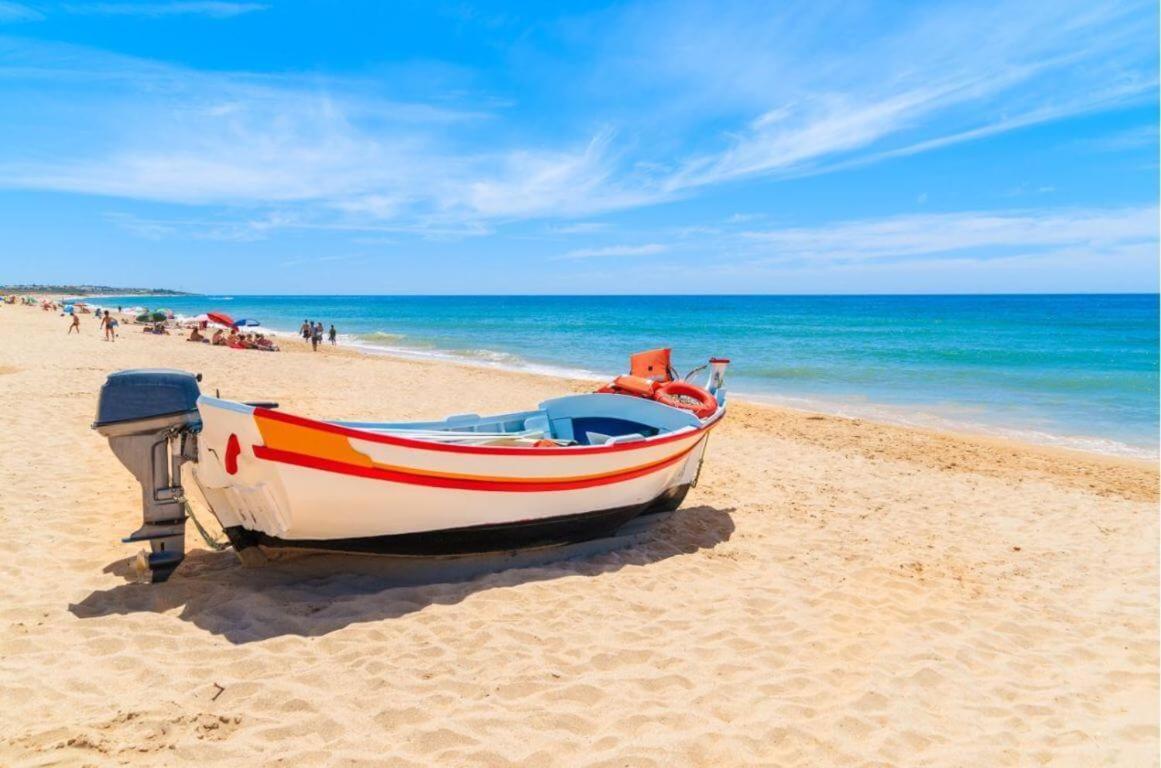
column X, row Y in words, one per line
column 315, row 336
column 76, row 325
column 333, row 334
column 305, row 330
column 110, row 325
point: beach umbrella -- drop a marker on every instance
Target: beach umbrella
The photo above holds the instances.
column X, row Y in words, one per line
column 196, row 319
column 246, row 323
column 221, row 318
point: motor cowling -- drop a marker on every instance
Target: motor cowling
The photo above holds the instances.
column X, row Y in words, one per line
column 151, row 420
column 135, row 398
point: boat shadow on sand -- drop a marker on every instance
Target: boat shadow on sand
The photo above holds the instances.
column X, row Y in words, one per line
column 313, row 595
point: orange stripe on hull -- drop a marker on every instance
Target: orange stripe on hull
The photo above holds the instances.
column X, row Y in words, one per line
column 286, row 438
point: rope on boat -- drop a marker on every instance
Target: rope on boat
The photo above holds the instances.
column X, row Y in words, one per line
column 700, row 462
column 212, row 543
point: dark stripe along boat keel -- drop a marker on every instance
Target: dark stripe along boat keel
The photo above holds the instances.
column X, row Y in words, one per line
column 476, row 539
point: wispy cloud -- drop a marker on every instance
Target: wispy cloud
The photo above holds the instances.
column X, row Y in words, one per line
column 648, row 249
column 1024, row 188
column 1128, row 139
column 949, row 75
column 212, row 8
column 14, row 12
column 144, row 228
column 749, row 93
column 347, row 156
column 324, row 259
column 976, row 235
column 232, row 230
column 579, row 228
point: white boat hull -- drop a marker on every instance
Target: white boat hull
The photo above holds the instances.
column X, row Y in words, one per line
column 279, row 480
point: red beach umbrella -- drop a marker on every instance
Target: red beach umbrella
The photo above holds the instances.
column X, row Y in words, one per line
column 221, row 318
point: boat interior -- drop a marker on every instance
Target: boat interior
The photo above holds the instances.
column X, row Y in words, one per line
column 591, row 419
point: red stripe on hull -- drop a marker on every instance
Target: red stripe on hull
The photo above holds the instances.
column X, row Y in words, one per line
column 378, row 473
column 425, row 445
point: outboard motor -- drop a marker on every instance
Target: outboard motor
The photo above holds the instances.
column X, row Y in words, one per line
column 151, row 419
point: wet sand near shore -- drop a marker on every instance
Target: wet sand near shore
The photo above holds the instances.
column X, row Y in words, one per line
column 835, row 591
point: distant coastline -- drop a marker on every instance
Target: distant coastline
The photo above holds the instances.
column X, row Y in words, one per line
column 89, row 290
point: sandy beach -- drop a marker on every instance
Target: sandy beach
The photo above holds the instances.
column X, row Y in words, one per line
column 834, row 592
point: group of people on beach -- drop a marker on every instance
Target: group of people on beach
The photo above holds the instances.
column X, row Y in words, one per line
column 313, row 332
column 234, row 339
column 105, row 319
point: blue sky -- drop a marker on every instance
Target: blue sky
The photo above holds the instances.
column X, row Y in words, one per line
column 367, row 147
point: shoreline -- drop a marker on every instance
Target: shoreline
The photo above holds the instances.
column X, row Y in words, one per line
column 908, row 416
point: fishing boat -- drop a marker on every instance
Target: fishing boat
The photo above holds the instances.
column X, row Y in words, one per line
column 573, row 469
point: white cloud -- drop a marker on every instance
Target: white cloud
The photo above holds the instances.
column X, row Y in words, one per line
column 647, row 249
column 973, row 235
column 748, row 92
column 950, row 74
column 526, row 183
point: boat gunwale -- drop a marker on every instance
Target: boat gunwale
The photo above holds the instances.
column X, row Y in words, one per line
column 468, row 483
column 563, row 450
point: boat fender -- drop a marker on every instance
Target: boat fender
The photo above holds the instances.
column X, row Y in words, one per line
column 672, row 394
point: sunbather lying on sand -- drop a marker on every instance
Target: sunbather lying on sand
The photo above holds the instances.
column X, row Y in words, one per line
column 263, row 343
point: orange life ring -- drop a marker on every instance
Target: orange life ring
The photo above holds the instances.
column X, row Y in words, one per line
column 671, row 393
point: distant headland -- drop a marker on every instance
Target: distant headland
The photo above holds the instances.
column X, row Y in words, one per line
column 89, row 290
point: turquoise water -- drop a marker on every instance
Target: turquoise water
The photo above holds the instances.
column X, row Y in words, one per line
column 1078, row 370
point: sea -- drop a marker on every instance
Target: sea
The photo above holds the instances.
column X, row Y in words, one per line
column 1078, row 371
